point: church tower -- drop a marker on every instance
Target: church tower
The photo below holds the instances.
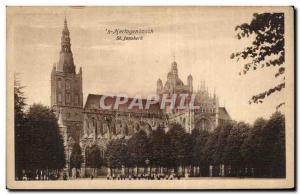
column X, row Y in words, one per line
column 66, row 88
column 190, row 83
column 159, row 87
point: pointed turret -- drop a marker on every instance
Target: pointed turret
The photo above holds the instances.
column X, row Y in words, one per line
column 214, row 93
column 202, row 87
column 174, row 69
column 190, row 83
column 159, row 86
column 53, row 69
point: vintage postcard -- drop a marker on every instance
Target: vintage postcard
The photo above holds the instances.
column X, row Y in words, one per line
column 150, row 97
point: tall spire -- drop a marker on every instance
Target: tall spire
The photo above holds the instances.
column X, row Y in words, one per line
column 65, row 38
column 65, row 22
column 214, row 93
column 66, row 30
column 66, row 63
column 174, row 69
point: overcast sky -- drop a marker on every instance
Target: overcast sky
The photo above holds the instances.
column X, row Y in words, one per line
column 201, row 40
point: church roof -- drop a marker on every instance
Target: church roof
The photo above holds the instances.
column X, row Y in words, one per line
column 223, row 114
column 179, row 82
column 93, row 102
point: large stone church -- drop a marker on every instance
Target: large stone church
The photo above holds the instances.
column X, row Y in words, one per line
column 88, row 125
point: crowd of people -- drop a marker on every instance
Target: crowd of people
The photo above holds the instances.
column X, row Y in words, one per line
column 160, row 176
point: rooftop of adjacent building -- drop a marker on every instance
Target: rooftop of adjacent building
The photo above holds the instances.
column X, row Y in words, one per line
column 93, row 102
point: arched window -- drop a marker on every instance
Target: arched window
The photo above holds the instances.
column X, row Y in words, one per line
column 59, row 83
column 68, row 85
column 203, row 124
column 68, row 98
column 76, row 99
column 59, row 98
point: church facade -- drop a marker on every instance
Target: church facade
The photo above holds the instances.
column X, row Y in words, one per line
column 88, row 124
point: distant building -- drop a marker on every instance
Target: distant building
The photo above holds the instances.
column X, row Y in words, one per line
column 90, row 125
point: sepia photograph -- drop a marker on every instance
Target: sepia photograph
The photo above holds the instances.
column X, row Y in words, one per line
column 150, row 97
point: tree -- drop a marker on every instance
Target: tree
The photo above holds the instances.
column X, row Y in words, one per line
column 43, row 143
column 117, row 153
column 266, row 50
column 188, row 151
column 20, row 119
column 273, row 146
column 95, row 160
column 210, row 148
column 138, row 148
column 214, row 149
column 199, row 139
column 158, row 147
column 76, row 158
column 234, row 142
column 19, row 103
column 224, row 131
column 177, row 148
column 251, row 149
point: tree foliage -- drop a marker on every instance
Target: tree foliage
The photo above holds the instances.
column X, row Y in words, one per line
column 19, row 122
column 273, row 145
column 138, row 147
column 235, row 140
column 19, row 103
column 260, row 147
column 267, row 48
column 199, row 141
column 44, row 143
column 117, row 153
column 251, row 150
column 158, row 150
column 94, row 157
column 38, row 143
column 178, row 141
column 215, row 147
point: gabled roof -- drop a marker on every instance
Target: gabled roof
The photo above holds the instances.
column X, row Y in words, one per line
column 93, row 102
column 223, row 114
